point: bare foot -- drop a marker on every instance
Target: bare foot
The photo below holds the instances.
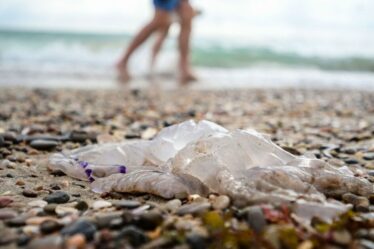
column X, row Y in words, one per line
column 187, row 78
column 123, row 73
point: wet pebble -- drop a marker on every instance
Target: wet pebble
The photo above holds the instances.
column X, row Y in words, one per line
column 221, row 202
column 194, row 208
column 43, row 144
column 255, row 218
column 58, row 197
column 86, row 228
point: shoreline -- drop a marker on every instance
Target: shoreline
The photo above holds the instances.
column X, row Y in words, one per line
column 336, row 126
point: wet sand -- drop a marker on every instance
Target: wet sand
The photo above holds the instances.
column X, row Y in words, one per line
column 336, row 126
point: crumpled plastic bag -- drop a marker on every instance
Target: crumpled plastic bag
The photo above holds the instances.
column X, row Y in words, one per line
column 203, row 157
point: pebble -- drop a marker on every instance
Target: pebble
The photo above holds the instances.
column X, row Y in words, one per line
column 81, row 206
column 16, row 222
column 135, row 236
column 38, row 220
column 2, row 141
column 173, row 205
column 351, row 161
column 86, row 228
column 194, row 208
column 37, row 203
column 58, row 197
column 77, row 241
column 105, row 219
column 20, row 182
column 50, row 208
column 49, row 226
column 29, row 193
column 23, row 240
column 128, row 204
column 43, row 144
column 359, row 202
column 63, row 210
column 196, row 241
column 149, row 220
column 48, row 242
column 6, row 214
column 256, row 219
column 368, row 156
column 342, row 237
column 367, row 244
column 5, row 201
column 101, row 204
column 221, row 202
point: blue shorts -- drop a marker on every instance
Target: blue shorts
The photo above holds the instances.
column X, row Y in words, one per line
column 168, row 5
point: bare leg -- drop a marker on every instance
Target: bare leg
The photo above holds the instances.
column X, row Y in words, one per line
column 186, row 14
column 163, row 33
column 160, row 21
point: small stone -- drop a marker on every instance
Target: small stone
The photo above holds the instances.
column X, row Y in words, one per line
column 149, row 220
column 23, row 240
column 43, row 144
column 77, row 241
column 256, row 219
column 58, row 197
column 359, row 202
column 30, row 230
column 342, row 237
column 368, row 156
column 194, row 208
column 5, row 201
column 50, row 226
column 49, row 242
column 196, row 241
column 221, row 202
column 101, row 204
column 351, row 161
column 37, row 220
column 63, row 210
column 37, row 203
column 16, row 222
column 149, row 133
column 6, row 214
column 173, row 205
column 29, row 193
column 81, row 206
column 104, row 219
column 50, row 208
column 135, row 236
column 367, row 244
column 2, row 141
column 20, row 182
column 128, row 204
column 80, row 227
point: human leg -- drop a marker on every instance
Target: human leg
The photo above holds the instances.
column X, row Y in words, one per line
column 160, row 21
column 186, row 13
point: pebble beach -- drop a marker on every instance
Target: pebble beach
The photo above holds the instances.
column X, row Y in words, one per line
column 44, row 209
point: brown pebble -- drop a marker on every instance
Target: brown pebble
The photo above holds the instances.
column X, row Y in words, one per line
column 77, row 241
column 29, row 193
column 20, row 183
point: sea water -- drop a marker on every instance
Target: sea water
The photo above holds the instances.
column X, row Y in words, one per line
column 239, row 43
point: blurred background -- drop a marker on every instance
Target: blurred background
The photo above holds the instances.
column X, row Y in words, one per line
column 236, row 43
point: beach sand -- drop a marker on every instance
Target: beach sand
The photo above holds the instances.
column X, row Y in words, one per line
column 336, row 126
